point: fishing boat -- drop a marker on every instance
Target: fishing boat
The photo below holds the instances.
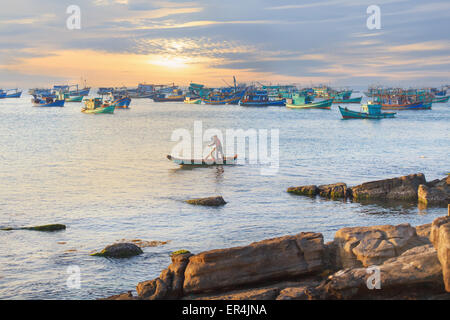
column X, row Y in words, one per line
column 174, row 95
column 188, row 100
column 221, row 98
column 406, row 106
column 15, row 94
column 325, row 104
column 259, row 98
column 203, row 162
column 441, row 99
column 2, row 94
column 351, row 100
column 68, row 98
column 97, row 106
column 47, row 101
column 121, row 102
column 368, row 111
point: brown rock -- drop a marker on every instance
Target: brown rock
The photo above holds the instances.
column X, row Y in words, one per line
column 122, row 296
column 414, row 274
column 365, row 246
column 311, row 190
column 440, row 237
column 333, row 191
column 273, row 259
column 401, row 188
column 210, row 201
column 119, row 250
column 169, row 285
column 436, row 194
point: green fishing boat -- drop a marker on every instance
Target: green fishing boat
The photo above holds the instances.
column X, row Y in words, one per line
column 325, row 104
column 97, row 106
column 73, row 99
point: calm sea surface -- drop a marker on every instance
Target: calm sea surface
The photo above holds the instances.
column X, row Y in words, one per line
column 107, row 178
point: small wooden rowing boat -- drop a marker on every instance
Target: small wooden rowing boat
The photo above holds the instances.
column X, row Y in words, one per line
column 203, row 162
column 325, row 104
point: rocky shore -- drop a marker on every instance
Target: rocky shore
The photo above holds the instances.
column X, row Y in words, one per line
column 411, row 263
column 377, row 262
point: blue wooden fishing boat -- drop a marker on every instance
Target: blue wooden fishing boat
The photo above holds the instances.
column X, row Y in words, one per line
column 15, row 94
column 121, row 102
column 260, row 98
column 351, row 100
column 47, row 102
column 441, row 99
column 369, row 111
column 296, row 104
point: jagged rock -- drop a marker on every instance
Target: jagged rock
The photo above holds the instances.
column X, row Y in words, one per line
column 440, row 237
column 279, row 258
column 414, row 274
column 365, row 246
column 45, row 228
column 251, row 294
column 169, row 285
column 333, row 191
column 210, row 201
column 423, row 232
column 401, row 188
column 120, row 250
column 435, row 193
column 311, row 190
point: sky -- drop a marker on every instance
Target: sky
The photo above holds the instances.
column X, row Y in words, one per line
column 126, row 42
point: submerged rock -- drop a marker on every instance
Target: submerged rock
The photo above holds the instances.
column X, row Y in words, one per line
column 435, row 193
column 119, row 250
column 440, row 237
column 311, row 190
column 45, row 228
column 333, row 191
column 401, row 188
column 210, row 201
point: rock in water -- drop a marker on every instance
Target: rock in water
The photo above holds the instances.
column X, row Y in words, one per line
column 279, row 258
column 210, row 201
column 120, row 250
column 333, row 191
column 401, row 188
column 436, row 192
column 440, row 237
column 311, row 190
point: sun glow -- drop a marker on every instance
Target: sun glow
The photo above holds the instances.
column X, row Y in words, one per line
column 170, row 62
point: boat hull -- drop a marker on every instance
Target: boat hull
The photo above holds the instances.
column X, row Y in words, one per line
column 350, row 114
column 326, row 104
column 122, row 103
column 441, row 99
column 101, row 110
column 57, row 103
column 203, row 162
column 412, row 106
column 14, row 95
column 353, row 100
column 74, row 99
column 169, row 99
column 194, row 101
column 274, row 103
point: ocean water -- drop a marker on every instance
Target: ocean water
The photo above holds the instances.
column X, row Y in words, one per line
column 107, row 178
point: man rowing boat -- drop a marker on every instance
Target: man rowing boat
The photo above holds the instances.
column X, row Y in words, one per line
column 217, row 148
